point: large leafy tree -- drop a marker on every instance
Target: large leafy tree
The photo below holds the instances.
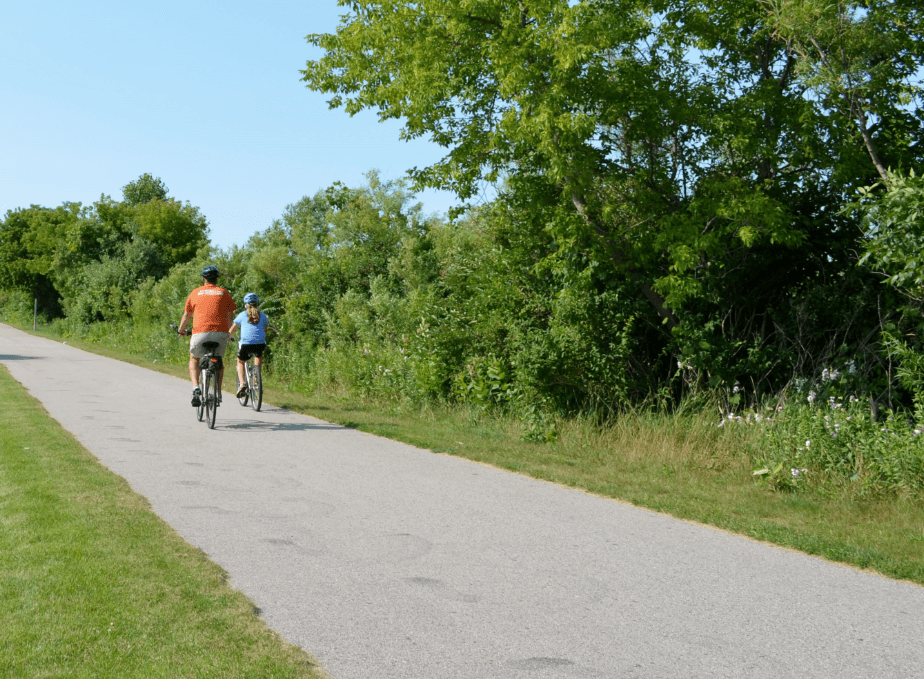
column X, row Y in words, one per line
column 704, row 149
column 29, row 241
column 663, row 129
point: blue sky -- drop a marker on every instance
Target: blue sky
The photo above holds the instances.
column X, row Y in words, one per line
column 205, row 95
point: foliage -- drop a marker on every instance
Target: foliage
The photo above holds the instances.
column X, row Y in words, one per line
column 836, row 439
column 692, row 158
column 672, row 135
column 144, row 189
column 87, row 261
column 894, row 229
column 30, row 240
column 861, row 59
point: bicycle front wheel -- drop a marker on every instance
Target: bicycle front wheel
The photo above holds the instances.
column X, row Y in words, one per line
column 200, row 409
column 256, row 388
column 211, row 398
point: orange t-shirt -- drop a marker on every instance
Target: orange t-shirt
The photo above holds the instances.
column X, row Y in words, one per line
column 210, row 306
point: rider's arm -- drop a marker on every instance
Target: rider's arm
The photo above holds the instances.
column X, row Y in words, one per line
column 234, row 326
column 183, row 321
column 230, row 322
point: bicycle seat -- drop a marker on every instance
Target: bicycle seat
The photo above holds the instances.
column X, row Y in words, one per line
column 210, row 346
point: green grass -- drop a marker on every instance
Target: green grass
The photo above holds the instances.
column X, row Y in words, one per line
column 93, row 584
column 679, row 465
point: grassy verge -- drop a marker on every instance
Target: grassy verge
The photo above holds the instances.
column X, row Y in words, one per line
column 679, row 465
column 93, row 584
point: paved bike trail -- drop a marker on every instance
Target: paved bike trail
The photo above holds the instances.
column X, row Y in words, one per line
column 387, row 561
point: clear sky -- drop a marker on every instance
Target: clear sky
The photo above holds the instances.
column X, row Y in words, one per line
column 205, row 95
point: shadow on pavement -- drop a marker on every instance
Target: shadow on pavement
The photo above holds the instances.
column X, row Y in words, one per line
column 14, row 357
column 280, row 426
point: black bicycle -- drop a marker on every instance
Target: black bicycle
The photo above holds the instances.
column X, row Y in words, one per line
column 210, row 366
column 254, row 393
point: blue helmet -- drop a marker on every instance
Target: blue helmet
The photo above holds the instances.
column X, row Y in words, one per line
column 210, row 273
column 251, row 298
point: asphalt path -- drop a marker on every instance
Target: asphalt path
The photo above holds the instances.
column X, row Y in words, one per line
column 388, row 561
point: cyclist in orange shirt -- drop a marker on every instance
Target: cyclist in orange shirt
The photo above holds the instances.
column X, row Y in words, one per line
column 212, row 310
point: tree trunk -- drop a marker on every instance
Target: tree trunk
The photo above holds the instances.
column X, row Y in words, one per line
column 868, row 140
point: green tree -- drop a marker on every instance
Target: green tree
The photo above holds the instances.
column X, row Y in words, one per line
column 862, row 60
column 681, row 145
column 144, row 189
column 31, row 246
column 178, row 229
column 650, row 150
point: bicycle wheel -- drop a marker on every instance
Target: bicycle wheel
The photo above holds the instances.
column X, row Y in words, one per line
column 256, row 388
column 246, row 397
column 211, row 398
column 200, row 409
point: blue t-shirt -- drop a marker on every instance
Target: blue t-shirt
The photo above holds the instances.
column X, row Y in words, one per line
column 250, row 333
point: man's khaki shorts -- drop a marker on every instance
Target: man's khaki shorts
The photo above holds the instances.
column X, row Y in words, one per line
column 195, row 344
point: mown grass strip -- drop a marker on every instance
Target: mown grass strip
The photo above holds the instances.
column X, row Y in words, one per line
column 93, row 584
column 682, row 466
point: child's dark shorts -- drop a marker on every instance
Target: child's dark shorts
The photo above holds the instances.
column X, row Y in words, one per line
column 248, row 350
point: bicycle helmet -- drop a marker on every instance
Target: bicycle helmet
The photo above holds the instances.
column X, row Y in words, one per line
column 251, row 298
column 210, row 273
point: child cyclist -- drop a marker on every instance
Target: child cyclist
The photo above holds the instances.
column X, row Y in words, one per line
column 252, row 323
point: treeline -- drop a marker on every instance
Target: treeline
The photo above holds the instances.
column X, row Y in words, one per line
column 367, row 293
column 494, row 307
column 85, row 262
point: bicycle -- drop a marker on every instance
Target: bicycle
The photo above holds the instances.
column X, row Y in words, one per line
column 210, row 365
column 254, row 378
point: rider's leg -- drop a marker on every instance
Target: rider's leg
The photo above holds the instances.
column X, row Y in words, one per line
column 240, row 371
column 194, row 370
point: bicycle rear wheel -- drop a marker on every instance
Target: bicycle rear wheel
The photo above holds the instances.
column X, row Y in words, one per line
column 211, row 398
column 200, row 409
column 256, row 387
